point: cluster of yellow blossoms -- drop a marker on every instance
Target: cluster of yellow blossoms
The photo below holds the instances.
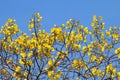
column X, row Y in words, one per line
column 69, row 51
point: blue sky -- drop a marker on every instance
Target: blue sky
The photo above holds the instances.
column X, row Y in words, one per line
column 59, row 11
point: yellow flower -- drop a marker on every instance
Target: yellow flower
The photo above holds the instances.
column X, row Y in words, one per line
column 50, row 63
column 14, row 75
column 75, row 47
column 40, row 17
column 21, row 62
column 10, row 20
column 30, row 54
column 57, row 30
column 85, row 39
column 103, row 25
column 30, row 63
column 93, row 58
column 59, row 72
column 110, row 29
column 63, row 25
column 89, row 47
column 17, row 69
column 100, row 17
column 5, row 72
column 116, row 36
column 38, row 20
column 114, row 71
column 92, row 24
column 18, row 78
column 94, row 18
column 32, row 20
column 115, row 28
column 118, row 73
column 68, row 23
column 111, row 67
column 37, row 15
column 84, row 49
column 77, row 79
column 107, row 33
column 103, row 48
column 57, row 76
column 102, row 36
column 118, row 55
column 25, row 73
column 50, row 73
column 9, row 61
column 89, row 54
column 80, row 62
column 110, row 46
column 75, row 63
column 98, row 72
column 101, row 58
column 23, row 54
column 31, row 25
column 117, row 51
column 79, row 37
column 94, row 71
column 85, row 30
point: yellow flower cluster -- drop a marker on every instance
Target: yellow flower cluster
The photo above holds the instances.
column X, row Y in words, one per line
column 62, row 54
column 79, row 64
column 111, row 70
column 76, row 47
column 79, row 37
column 10, row 28
column 69, row 24
column 84, row 49
column 18, row 74
column 56, row 30
column 54, row 75
column 85, row 30
column 50, row 63
column 37, row 18
column 117, row 51
column 118, row 75
column 71, row 41
column 3, row 71
column 116, row 36
column 108, row 33
column 96, row 72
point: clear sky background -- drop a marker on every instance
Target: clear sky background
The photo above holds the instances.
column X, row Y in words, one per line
column 59, row 11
